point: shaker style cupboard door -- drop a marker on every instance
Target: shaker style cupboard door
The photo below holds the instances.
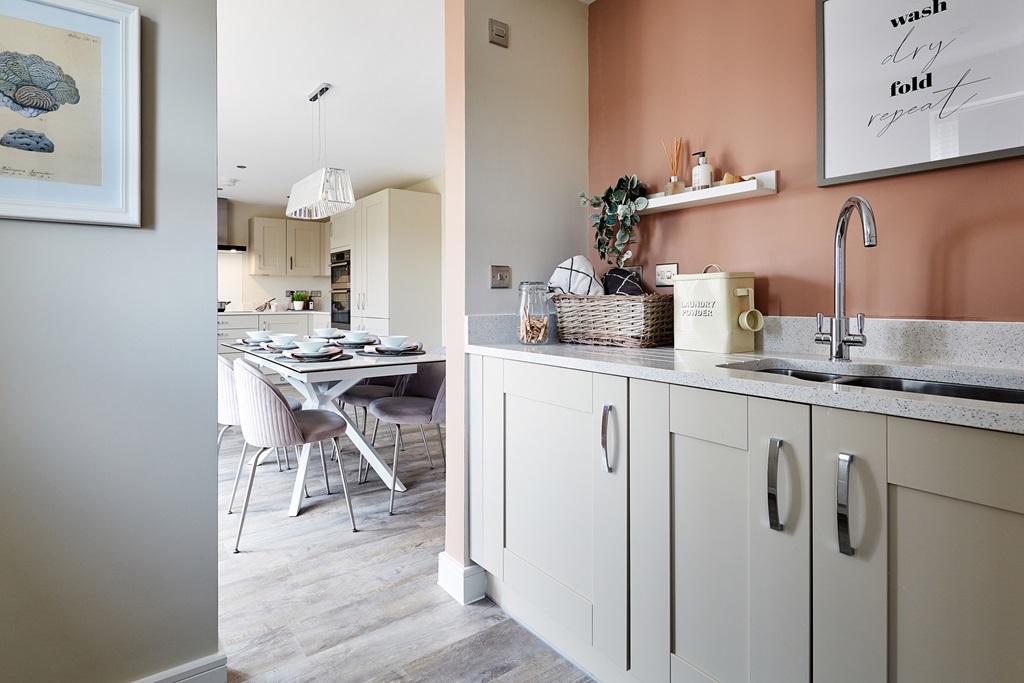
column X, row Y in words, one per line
column 565, row 505
column 268, row 244
column 374, row 232
column 305, row 248
column 343, row 228
column 956, row 553
column 740, row 473
column 849, row 546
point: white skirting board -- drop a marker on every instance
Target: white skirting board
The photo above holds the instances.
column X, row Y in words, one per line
column 465, row 584
column 210, row 669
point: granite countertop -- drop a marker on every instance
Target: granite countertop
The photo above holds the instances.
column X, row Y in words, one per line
column 270, row 312
column 701, row 370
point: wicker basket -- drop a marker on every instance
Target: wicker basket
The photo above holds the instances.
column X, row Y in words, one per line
column 631, row 321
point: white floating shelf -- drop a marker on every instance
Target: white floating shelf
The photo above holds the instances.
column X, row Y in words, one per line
column 759, row 185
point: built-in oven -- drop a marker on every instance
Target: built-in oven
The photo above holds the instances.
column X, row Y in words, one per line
column 341, row 293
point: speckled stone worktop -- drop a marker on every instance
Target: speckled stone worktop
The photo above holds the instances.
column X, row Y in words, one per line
column 702, row 370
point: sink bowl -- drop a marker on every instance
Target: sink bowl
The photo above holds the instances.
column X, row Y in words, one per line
column 807, row 375
column 968, row 391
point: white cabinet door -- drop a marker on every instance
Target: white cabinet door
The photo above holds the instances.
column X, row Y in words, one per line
column 343, row 230
column 374, row 230
column 268, row 246
column 305, row 248
column 564, row 537
column 378, row 326
column 741, row 537
column 292, row 323
column 850, row 510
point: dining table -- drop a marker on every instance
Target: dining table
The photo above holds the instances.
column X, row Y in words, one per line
column 321, row 383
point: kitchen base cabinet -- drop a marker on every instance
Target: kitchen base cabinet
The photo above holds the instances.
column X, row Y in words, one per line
column 554, row 505
column 740, row 473
column 849, row 546
column 956, row 554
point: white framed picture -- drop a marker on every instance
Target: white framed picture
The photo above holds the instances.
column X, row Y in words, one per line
column 914, row 85
column 69, row 111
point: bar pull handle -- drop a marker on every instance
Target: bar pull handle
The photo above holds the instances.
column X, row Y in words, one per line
column 774, row 445
column 291, row 263
column 605, row 412
column 843, row 503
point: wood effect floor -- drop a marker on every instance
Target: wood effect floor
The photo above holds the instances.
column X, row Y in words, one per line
column 308, row 600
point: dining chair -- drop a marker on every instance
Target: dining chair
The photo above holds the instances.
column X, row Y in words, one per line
column 422, row 403
column 371, row 389
column 268, row 422
column 227, row 415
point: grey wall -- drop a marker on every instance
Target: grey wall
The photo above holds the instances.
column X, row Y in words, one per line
column 107, row 471
column 526, row 144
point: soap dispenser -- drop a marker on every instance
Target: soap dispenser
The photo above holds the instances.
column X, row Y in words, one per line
column 703, row 172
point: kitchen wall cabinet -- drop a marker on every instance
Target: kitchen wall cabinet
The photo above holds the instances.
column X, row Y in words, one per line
column 554, row 504
column 343, row 230
column 288, row 247
column 396, row 264
column 268, row 246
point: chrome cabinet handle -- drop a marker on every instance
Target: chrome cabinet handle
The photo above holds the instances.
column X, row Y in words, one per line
column 605, row 412
column 773, row 483
column 291, row 263
column 843, row 503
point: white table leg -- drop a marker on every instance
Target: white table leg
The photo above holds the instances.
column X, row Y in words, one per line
column 320, row 396
column 300, row 480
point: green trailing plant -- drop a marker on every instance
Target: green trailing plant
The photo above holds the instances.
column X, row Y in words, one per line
column 300, row 296
column 619, row 215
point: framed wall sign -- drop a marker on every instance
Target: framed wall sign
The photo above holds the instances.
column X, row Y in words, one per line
column 69, row 111
column 913, row 85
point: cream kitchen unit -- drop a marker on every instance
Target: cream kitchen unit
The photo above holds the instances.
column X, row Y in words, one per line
column 395, row 241
column 232, row 326
column 279, row 246
column 663, row 533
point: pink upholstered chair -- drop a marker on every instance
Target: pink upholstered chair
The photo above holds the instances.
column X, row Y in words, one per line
column 227, row 415
column 422, row 403
column 267, row 422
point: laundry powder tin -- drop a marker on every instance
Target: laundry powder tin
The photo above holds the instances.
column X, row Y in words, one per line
column 714, row 311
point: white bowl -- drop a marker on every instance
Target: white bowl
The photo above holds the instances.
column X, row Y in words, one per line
column 258, row 335
column 310, row 345
column 357, row 335
column 395, row 341
column 282, row 339
column 326, row 332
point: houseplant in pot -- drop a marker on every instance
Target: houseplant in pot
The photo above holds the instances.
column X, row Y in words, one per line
column 299, row 300
column 618, row 213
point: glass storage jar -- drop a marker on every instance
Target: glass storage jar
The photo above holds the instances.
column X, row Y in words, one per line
column 533, row 312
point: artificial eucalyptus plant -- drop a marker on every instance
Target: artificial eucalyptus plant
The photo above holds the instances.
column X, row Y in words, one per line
column 613, row 226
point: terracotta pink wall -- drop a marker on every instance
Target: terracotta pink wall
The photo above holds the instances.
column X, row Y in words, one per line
column 950, row 242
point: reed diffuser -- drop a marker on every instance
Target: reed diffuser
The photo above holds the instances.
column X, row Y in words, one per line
column 674, row 185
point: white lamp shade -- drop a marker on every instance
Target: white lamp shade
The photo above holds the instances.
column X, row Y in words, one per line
column 322, row 193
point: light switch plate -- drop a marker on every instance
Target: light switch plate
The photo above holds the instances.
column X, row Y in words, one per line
column 664, row 272
column 501, row 277
column 497, row 32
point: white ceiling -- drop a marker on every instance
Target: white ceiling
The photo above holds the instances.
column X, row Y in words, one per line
column 385, row 114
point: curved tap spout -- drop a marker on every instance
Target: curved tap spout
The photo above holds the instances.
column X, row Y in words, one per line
column 867, row 219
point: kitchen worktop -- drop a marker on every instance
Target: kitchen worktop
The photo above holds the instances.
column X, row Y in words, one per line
column 270, row 312
column 701, row 370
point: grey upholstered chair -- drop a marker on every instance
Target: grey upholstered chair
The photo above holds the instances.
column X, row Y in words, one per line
column 365, row 393
column 422, row 403
column 267, row 422
column 227, row 415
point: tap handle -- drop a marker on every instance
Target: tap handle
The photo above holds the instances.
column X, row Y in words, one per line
column 860, row 323
column 822, row 337
column 821, row 322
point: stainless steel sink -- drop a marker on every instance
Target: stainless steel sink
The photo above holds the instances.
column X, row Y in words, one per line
column 977, row 393
column 807, row 375
column 914, row 386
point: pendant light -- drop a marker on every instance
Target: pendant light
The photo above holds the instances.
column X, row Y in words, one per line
column 328, row 190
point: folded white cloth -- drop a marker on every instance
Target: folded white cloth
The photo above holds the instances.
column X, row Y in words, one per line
column 575, row 276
